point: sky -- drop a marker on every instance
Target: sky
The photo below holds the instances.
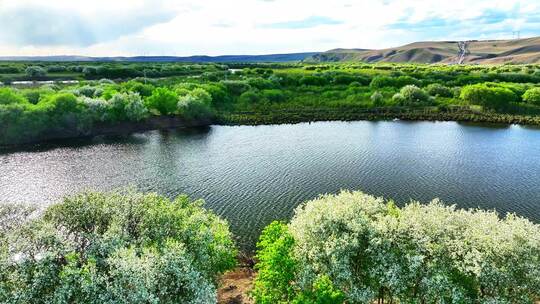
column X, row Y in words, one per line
column 226, row 27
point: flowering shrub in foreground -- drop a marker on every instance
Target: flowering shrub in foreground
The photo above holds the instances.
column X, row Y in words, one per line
column 119, row 247
column 361, row 249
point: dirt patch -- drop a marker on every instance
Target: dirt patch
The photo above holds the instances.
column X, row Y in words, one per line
column 235, row 286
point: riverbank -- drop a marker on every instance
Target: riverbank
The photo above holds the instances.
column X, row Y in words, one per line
column 283, row 117
column 120, row 128
column 419, row 114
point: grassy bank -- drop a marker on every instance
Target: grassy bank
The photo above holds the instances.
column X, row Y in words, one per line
column 425, row 114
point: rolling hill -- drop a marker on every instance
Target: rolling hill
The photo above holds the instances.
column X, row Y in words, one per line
column 193, row 59
column 483, row 52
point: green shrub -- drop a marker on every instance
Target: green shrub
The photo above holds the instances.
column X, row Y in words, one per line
column 532, row 96
column 88, row 91
column 35, row 71
column 274, row 95
column 127, row 106
column 361, row 249
column 99, row 109
column 144, row 90
column 163, row 100
column 10, row 96
column 490, row 97
column 195, row 105
column 118, row 247
column 236, row 87
column 398, row 99
column 438, row 90
column 312, row 80
column 396, row 82
column 414, row 96
column 250, row 97
column 377, row 98
column 276, row 266
column 34, row 95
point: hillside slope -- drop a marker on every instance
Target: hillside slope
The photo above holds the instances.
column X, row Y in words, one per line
column 291, row 57
column 488, row 51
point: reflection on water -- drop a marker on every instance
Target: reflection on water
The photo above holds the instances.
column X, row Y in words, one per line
column 252, row 175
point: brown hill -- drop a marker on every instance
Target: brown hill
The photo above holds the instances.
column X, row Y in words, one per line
column 487, row 51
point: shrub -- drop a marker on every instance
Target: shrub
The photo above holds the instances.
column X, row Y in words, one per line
column 127, row 106
column 274, row 252
column 377, row 99
column 250, row 97
column 396, row 82
column 236, row 87
column 35, row 71
column 195, row 104
column 532, row 96
column 312, row 80
column 118, row 247
column 398, row 99
column 56, row 68
column 88, row 91
column 414, row 96
column 490, row 97
column 163, row 100
column 144, row 90
column 438, row 90
column 362, row 248
column 274, row 95
column 34, row 95
column 10, row 96
column 98, row 108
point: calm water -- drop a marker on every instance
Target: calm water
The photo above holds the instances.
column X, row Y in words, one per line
column 253, row 175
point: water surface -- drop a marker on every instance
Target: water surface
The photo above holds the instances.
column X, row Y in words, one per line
column 252, row 175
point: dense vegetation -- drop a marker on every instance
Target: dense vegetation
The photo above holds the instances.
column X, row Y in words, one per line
column 119, row 247
column 258, row 93
column 357, row 248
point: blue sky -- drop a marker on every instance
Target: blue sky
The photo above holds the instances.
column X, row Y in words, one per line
column 215, row 27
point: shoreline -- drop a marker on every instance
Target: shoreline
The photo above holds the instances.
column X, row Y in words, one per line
column 120, row 128
column 278, row 118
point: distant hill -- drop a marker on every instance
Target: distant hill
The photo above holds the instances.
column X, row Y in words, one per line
column 195, row 59
column 483, row 52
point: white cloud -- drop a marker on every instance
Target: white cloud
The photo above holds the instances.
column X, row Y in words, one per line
column 168, row 27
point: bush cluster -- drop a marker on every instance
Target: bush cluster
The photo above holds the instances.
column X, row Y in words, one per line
column 118, row 247
column 363, row 249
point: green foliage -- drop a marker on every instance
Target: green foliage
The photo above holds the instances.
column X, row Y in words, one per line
column 250, row 97
column 35, row 71
column 438, row 90
column 412, row 95
column 163, row 100
column 195, row 105
column 118, row 247
column 280, row 92
column 356, row 248
column 396, row 82
column 377, row 98
column 490, row 97
column 322, row 292
column 144, row 90
column 276, row 266
column 532, row 96
column 34, row 95
column 10, row 96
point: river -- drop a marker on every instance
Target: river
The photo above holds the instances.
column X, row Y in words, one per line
column 252, row 175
